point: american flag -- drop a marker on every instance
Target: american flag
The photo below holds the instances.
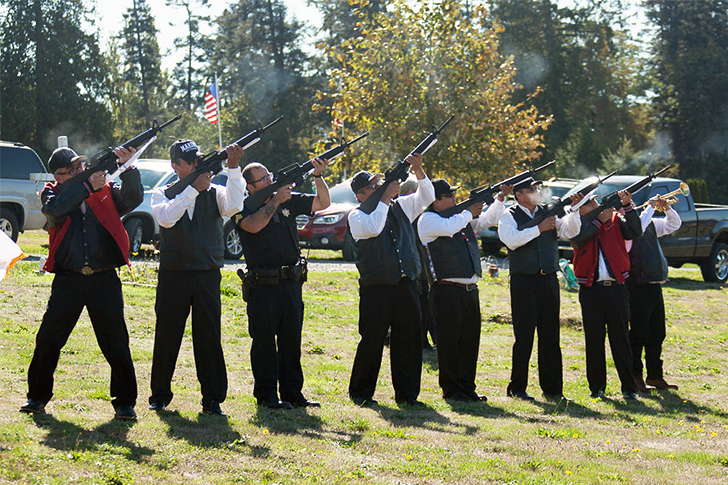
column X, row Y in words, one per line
column 211, row 104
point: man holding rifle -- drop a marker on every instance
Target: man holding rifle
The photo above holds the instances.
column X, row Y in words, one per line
column 191, row 255
column 533, row 254
column 389, row 265
column 452, row 261
column 601, row 264
column 87, row 243
column 274, row 282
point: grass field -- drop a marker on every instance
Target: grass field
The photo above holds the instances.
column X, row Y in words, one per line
column 667, row 437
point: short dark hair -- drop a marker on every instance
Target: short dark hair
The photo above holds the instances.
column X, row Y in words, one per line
column 247, row 171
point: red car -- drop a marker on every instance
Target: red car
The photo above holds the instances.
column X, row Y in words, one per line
column 327, row 228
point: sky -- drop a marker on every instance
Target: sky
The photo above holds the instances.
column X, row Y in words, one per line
column 110, row 20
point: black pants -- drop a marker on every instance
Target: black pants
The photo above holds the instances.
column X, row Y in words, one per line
column 428, row 324
column 275, row 316
column 457, row 323
column 605, row 309
column 535, row 306
column 647, row 328
column 101, row 295
column 177, row 292
column 382, row 306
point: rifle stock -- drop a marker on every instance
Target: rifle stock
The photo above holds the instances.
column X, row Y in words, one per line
column 106, row 160
column 212, row 162
column 400, row 170
column 295, row 173
column 485, row 193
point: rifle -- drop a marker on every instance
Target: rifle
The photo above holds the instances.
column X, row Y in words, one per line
column 486, row 193
column 556, row 208
column 212, row 162
column 612, row 199
column 106, row 160
column 295, row 174
column 400, row 170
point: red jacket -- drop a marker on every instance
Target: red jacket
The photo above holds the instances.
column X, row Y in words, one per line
column 586, row 257
column 103, row 207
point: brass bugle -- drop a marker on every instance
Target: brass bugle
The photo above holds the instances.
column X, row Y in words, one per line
column 669, row 198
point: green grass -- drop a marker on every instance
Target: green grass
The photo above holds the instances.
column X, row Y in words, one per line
column 667, row 437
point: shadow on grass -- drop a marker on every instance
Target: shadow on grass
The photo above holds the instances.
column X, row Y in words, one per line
column 671, row 402
column 110, row 437
column 206, row 431
column 281, row 421
column 299, row 421
column 681, row 283
column 426, row 418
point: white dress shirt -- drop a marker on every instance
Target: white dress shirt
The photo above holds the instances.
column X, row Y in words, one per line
column 366, row 226
column 566, row 228
column 663, row 226
column 431, row 226
column 230, row 200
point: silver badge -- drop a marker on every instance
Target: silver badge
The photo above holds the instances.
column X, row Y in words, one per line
column 286, row 212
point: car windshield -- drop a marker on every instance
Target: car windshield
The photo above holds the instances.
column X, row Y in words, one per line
column 150, row 177
column 549, row 192
column 607, row 188
column 342, row 194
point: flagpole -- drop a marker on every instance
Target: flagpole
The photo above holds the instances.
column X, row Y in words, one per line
column 219, row 120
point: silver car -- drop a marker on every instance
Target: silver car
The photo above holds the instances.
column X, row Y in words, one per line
column 143, row 227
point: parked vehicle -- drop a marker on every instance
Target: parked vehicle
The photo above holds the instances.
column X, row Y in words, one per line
column 22, row 177
column 327, row 228
column 553, row 188
column 141, row 225
column 703, row 237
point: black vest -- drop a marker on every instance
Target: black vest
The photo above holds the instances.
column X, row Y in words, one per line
column 648, row 263
column 382, row 260
column 195, row 244
column 456, row 256
column 541, row 253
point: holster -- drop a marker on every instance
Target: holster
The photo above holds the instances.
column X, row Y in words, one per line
column 249, row 283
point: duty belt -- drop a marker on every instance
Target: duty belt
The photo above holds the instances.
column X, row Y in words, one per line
column 272, row 276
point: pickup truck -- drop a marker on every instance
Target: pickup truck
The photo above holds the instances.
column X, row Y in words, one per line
column 22, row 177
column 703, row 237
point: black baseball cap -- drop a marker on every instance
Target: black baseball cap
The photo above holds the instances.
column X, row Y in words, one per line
column 361, row 180
column 61, row 158
column 526, row 183
column 442, row 187
column 187, row 150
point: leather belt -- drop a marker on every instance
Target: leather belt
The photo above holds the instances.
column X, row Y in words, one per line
column 464, row 286
column 606, row 283
column 87, row 271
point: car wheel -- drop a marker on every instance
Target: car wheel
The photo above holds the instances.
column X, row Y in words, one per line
column 347, row 251
column 233, row 244
column 715, row 267
column 135, row 231
column 9, row 224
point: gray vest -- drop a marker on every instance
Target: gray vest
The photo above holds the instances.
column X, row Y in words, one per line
column 382, row 260
column 456, row 256
column 195, row 244
column 541, row 253
column 648, row 263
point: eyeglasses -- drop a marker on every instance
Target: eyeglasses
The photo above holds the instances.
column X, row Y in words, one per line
column 268, row 176
column 72, row 170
